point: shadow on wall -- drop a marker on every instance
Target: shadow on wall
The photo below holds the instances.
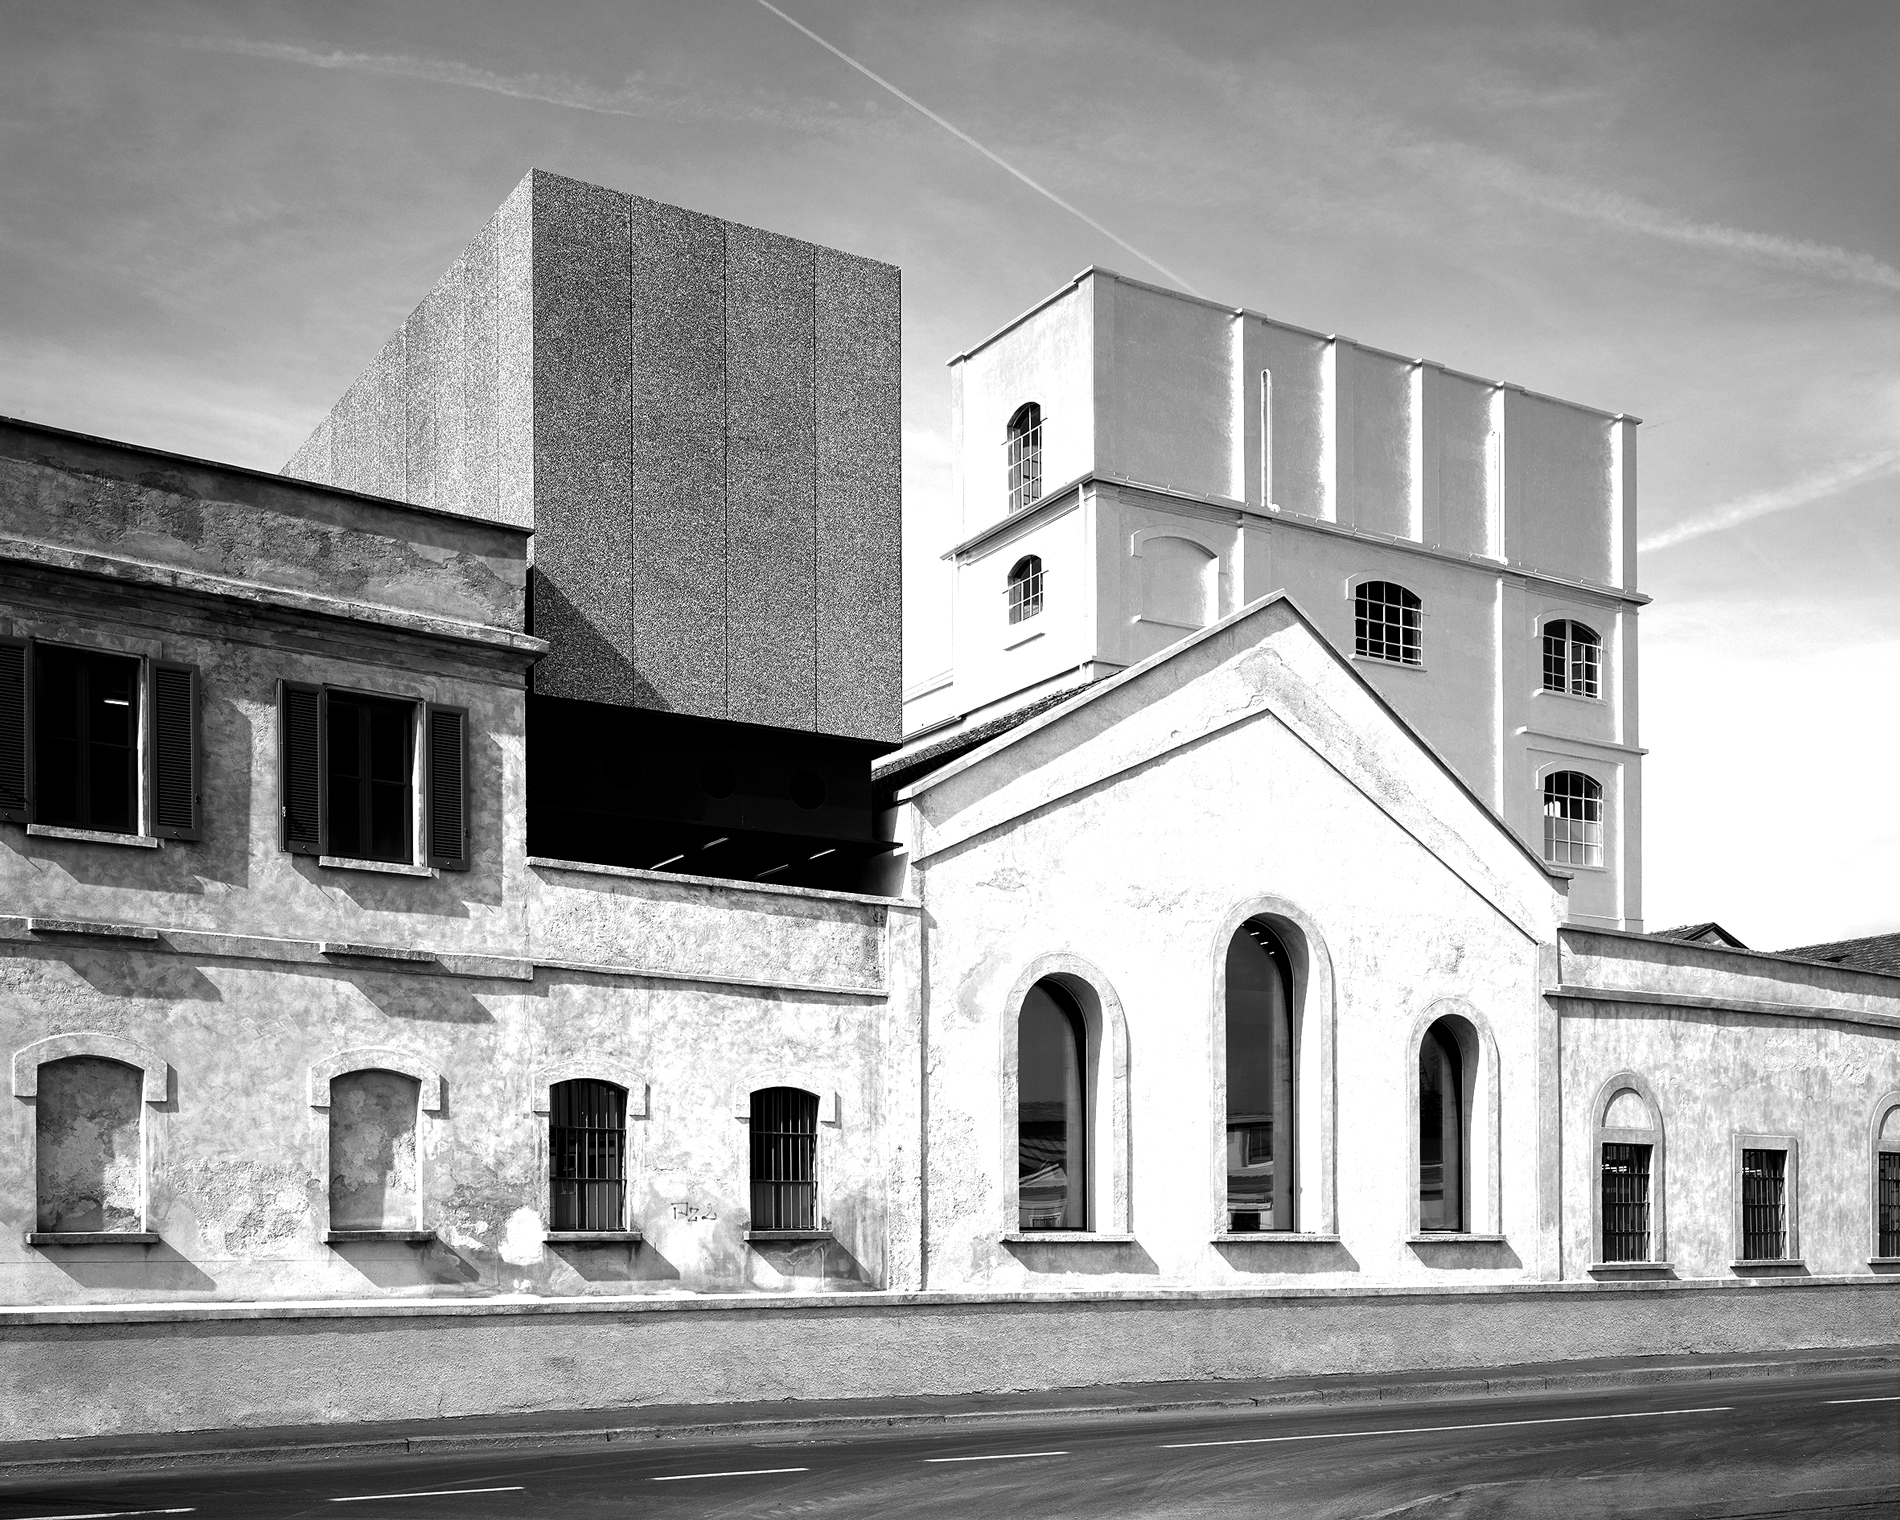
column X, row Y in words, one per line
column 1476, row 1255
column 434, row 999
column 373, row 892
column 797, row 1264
column 130, row 1268
column 613, row 1263
column 1073, row 1260
column 1286, row 1257
column 398, row 1264
column 583, row 663
column 162, row 978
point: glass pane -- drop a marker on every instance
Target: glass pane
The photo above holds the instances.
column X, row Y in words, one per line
column 1259, row 1084
column 1051, row 1131
column 1440, row 1133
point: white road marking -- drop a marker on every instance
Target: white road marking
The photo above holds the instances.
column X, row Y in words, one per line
column 1423, row 1430
column 1005, row 1456
column 744, row 1472
column 432, row 1493
column 1884, row 1398
column 113, row 1514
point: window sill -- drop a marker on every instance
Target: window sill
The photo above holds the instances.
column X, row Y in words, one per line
column 94, row 836
column 1065, row 1238
column 784, row 1237
column 1767, row 1262
column 374, row 952
column 1453, row 1238
column 1883, row 1261
column 360, row 1237
column 86, row 929
column 1384, row 664
column 1614, row 1268
column 594, row 1237
column 379, row 867
column 1027, row 638
column 44, row 1238
column 1274, row 1238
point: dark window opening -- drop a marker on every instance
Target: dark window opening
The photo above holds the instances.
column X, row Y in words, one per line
column 587, row 1155
column 1573, row 656
column 1764, row 1205
column 1889, row 1221
column 85, row 740
column 1260, row 1082
column 784, row 1159
column 1625, row 1202
column 1051, row 1112
column 1442, row 1131
column 1573, row 819
column 1024, row 443
column 1387, row 623
column 370, row 750
column 1025, row 589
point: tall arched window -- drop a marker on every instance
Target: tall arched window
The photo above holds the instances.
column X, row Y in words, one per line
column 1573, row 658
column 1387, row 621
column 587, row 1155
column 1024, row 442
column 1630, row 1173
column 1887, row 1179
column 784, row 1159
column 1444, row 1130
column 1260, row 1082
column 1052, row 1126
column 1025, row 588
column 1573, row 819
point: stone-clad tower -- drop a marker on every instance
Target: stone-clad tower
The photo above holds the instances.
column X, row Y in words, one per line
column 700, row 422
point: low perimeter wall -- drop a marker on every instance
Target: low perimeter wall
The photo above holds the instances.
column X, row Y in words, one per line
column 121, row 1370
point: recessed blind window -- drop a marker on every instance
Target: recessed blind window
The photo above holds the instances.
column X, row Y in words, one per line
column 1625, row 1202
column 1764, row 1205
column 85, row 739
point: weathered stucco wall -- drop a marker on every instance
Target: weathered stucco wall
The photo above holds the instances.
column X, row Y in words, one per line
column 71, row 1374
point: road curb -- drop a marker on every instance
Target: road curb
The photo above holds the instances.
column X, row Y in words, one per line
column 55, row 1464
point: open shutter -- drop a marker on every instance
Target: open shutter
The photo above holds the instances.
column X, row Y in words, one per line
column 300, row 766
column 16, row 728
column 176, row 783
column 447, row 808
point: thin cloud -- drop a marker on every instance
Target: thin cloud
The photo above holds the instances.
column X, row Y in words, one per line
column 1869, row 467
column 964, row 137
column 1627, row 214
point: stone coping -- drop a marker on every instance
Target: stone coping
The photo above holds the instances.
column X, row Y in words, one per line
column 871, row 1300
column 720, row 883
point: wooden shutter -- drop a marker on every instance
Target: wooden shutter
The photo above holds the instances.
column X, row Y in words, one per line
column 447, row 803
column 176, row 783
column 300, row 766
column 16, row 728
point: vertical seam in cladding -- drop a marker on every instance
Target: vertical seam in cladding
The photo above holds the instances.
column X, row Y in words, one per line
column 725, row 443
column 814, row 492
column 631, row 382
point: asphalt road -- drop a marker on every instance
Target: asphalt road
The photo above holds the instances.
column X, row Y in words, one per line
column 1824, row 1446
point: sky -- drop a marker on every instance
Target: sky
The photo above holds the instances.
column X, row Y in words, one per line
column 211, row 215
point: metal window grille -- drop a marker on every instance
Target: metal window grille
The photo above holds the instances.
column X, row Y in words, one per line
column 1890, row 1203
column 1626, row 1202
column 587, row 1155
column 784, row 1159
column 1764, row 1205
column 1387, row 620
column 1025, row 590
column 1573, row 657
column 1573, row 819
column 1024, row 445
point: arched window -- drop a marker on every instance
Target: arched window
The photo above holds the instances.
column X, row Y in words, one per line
column 1573, row 819
column 1260, row 1082
column 784, row 1143
column 1025, row 589
column 1386, row 622
column 1887, row 1178
column 1630, row 1173
column 1024, row 442
column 1573, row 658
column 1444, row 1130
column 1052, row 1123
column 587, row 1155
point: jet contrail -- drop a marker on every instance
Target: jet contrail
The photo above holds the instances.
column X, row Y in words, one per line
column 961, row 135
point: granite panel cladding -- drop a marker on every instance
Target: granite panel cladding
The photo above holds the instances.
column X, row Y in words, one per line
column 770, row 479
column 381, row 428
column 481, row 376
column 679, row 460
column 312, row 461
column 515, row 353
column 859, row 611
column 432, row 384
column 583, row 431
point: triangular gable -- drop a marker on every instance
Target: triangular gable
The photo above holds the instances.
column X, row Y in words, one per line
column 1267, row 660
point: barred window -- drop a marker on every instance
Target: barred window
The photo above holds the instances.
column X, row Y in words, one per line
column 1573, row 819
column 587, row 1155
column 1625, row 1202
column 1023, row 441
column 1386, row 622
column 1764, row 1205
column 1889, row 1222
column 1025, row 589
column 1573, row 658
column 784, row 1159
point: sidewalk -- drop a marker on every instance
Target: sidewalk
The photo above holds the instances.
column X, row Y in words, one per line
column 577, row 1427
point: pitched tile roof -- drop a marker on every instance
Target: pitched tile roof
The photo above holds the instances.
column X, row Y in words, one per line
column 1874, row 952
column 1710, row 933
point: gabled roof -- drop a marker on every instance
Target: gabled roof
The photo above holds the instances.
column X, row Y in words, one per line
column 1348, row 746
column 1874, row 952
column 1710, row 933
